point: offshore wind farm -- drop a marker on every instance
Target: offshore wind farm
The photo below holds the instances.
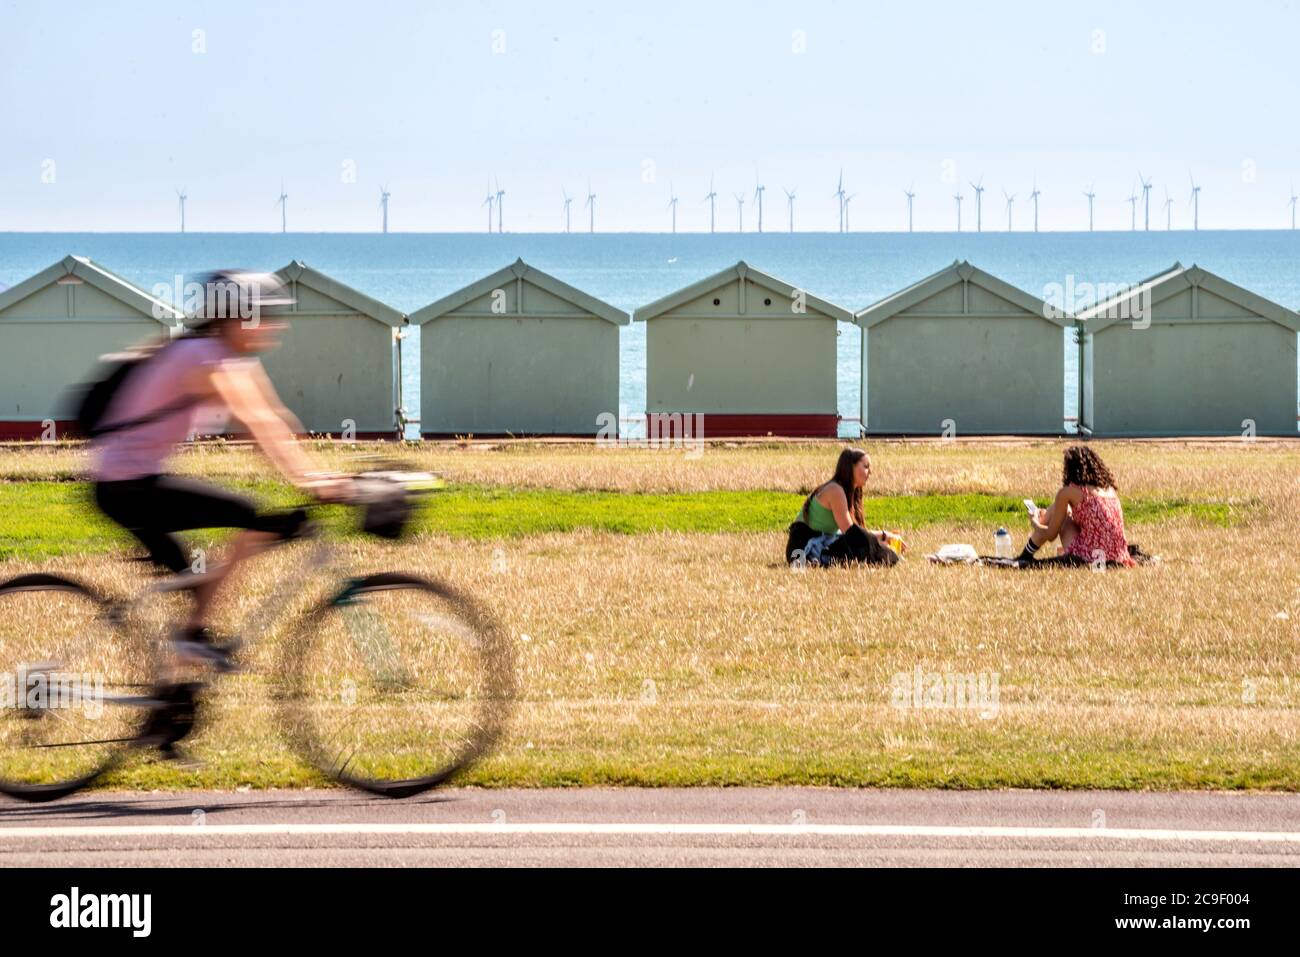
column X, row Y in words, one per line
column 1077, row 217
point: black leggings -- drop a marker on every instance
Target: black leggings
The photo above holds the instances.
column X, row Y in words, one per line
column 856, row 546
column 152, row 507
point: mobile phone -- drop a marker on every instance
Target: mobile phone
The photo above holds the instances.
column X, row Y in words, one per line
column 1032, row 506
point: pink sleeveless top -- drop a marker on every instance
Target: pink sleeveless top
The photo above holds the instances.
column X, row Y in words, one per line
column 1101, row 528
column 139, row 451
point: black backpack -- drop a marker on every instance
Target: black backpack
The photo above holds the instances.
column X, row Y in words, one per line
column 94, row 398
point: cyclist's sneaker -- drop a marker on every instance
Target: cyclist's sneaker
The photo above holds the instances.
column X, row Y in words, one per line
column 199, row 645
column 171, row 718
column 177, row 758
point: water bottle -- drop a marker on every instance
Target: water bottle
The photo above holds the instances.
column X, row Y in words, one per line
column 1002, row 546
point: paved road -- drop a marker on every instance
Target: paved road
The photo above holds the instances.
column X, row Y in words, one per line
column 656, row 827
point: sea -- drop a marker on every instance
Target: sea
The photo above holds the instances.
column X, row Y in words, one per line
column 854, row 270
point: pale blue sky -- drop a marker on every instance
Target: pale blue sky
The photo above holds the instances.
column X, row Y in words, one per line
column 418, row 99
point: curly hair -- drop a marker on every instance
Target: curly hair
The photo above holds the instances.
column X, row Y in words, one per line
column 1083, row 466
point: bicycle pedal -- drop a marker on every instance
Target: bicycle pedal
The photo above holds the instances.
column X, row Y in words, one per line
column 220, row 656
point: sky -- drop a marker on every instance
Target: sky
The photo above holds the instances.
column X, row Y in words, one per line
column 107, row 110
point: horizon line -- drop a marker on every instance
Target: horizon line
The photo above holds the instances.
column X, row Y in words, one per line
column 644, row 232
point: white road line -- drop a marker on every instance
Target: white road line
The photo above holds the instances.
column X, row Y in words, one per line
column 652, row 829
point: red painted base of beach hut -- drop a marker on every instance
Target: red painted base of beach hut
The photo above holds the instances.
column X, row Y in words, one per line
column 30, row 431
column 740, row 425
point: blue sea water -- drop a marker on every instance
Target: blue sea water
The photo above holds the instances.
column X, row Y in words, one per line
column 410, row 270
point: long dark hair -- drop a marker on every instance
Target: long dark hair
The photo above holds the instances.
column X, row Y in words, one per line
column 843, row 477
column 1083, row 466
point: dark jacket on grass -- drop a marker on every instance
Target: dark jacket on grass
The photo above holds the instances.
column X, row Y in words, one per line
column 857, row 545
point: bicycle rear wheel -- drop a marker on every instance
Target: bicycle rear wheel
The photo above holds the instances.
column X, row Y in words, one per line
column 396, row 684
column 73, row 692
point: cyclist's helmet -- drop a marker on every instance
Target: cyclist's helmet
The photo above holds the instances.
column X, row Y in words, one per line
column 221, row 294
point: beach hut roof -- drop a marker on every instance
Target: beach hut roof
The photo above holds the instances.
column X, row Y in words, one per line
column 959, row 271
column 740, row 272
column 299, row 272
column 83, row 269
column 515, row 271
column 1176, row 279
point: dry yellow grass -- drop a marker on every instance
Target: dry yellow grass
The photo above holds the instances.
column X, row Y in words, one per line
column 1210, row 468
column 689, row 658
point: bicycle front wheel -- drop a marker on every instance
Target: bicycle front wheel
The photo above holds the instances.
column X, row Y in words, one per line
column 73, row 691
column 396, row 684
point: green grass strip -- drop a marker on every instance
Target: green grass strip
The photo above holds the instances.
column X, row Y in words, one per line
column 54, row 518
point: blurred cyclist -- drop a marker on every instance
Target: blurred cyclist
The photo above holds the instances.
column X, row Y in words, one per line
column 212, row 366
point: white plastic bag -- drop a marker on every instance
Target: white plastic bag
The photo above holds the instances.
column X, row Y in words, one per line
column 957, row 553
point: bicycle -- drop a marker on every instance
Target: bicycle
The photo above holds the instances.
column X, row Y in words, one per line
column 391, row 684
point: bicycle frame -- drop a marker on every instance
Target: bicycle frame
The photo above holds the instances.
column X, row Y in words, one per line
column 263, row 617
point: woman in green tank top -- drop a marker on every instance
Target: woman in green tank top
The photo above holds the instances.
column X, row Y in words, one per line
column 833, row 511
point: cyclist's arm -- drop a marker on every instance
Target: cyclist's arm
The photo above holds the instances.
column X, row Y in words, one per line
column 239, row 388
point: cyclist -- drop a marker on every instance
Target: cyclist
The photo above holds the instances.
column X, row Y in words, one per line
column 213, row 365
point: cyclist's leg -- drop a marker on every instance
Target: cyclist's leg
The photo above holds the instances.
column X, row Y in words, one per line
column 129, row 504
column 188, row 503
column 154, row 507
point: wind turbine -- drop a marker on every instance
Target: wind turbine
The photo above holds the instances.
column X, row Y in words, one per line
column 1034, row 196
column 789, row 201
column 1133, row 209
column 284, row 216
column 758, row 196
column 979, row 205
column 491, row 198
column 183, row 196
column 501, row 205
column 568, row 201
column 1169, row 216
column 1146, row 202
column 383, row 203
column 1091, row 196
column 709, row 198
column 1010, row 200
column 672, row 204
column 839, row 194
column 910, row 196
column 959, row 197
column 1195, row 199
column 740, row 211
column 1294, row 197
column 847, row 199
column 591, row 202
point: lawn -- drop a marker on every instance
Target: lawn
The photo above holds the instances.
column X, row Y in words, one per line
column 661, row 640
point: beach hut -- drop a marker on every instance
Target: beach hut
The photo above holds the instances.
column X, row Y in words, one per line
column 54, row 326
column 963, row 353
column 1185, row 352
column 751, row 353
column 521, row 353
column 337, row 365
